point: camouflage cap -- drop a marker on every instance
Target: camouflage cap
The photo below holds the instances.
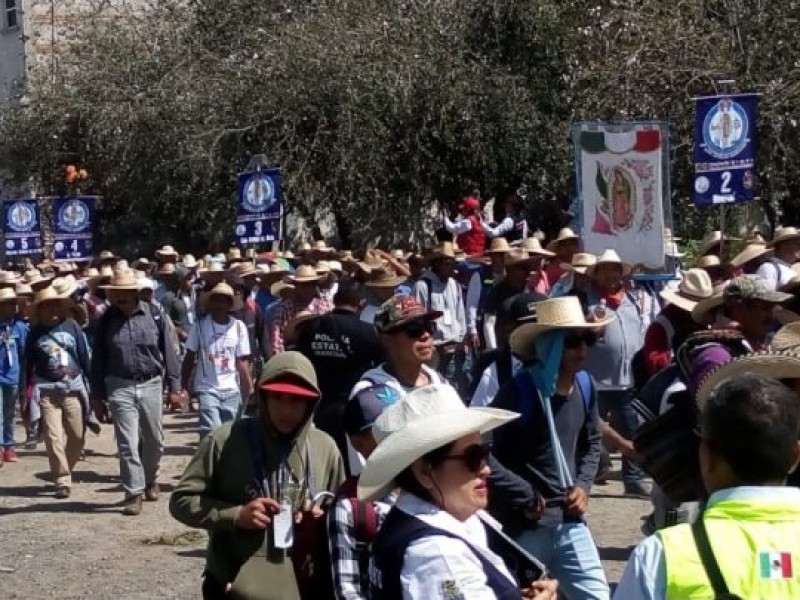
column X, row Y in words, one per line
column 750, row 287
column 400, row 310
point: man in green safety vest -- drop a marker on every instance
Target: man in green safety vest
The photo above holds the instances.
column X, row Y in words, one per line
column 746, row 543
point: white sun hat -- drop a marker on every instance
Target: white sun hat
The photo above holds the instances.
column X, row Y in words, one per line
column 426, row 419
column 695, row 286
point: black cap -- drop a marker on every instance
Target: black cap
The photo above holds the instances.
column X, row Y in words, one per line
column 521, row 308
column 366, row 406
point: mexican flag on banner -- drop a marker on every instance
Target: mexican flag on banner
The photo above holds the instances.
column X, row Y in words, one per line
column 775, row 565
column 621, row 184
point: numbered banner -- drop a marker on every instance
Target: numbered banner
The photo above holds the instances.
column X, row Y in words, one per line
column 260, row 206
column 22, row 228
column 622, row 172
column 73, row 228
column 725, row 149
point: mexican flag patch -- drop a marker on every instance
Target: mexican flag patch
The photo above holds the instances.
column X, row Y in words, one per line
column 775, row 565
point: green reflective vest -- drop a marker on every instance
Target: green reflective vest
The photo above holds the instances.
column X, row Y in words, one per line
column 756, row 544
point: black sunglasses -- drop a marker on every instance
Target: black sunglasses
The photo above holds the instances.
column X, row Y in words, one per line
column 575, row 339
column 473, row 457
column 417, row 329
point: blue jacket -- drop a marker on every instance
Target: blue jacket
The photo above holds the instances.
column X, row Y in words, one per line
column 12, row 350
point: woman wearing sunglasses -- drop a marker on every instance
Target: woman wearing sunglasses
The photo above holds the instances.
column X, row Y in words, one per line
column 433, row 543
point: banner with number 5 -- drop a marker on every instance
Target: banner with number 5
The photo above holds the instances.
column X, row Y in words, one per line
column 259, row 207
column 725, row 149
column 22, row 227
column 73, row 227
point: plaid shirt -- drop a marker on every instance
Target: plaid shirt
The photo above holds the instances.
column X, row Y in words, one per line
column 347, row 553
column 286, row 314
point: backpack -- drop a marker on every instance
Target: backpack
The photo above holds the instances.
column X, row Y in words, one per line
column 365, row 527
column 523, row 382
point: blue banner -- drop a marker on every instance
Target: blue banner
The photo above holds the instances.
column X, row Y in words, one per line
column 260, row 206
column 725, row 149
column 22, row 228
column 73, row 228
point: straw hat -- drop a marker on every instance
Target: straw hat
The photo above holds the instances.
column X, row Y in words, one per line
column 122, row 279
column 271, row 272
column 609, row 257
column 65, row 286
column 104, row 274
column 8, row 295
column 347, row 256
column 787, row 338
column 533, row 247
column 745, row 287
column 708, row 261
column 280, row 288
column 244, row 269
column 517, row 257
column 220, row 289
column 335, row 266
column 234, row 255
column 555, row 313
column 9, row 278
column 23, row 289
column 189, row 261
column 695, row 286
column 166, row 269
column 320, row 247
column 712, row 239
column 778, row 365
column 427, row 418
column 581, row 261
column 783, row 234
column 564, row 235
column 107, row 255
column 384, row 278
column 499, row 245
column 304, row 274
column 48, row 294
column 752, row 251
column 443, row 251
column 322, row 267
column 34, row 277
column 166, row 250
column 142, row 264
column 213, row 266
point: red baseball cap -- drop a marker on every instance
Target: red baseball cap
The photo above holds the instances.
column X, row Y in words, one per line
column 287, row 387
column 471, row 203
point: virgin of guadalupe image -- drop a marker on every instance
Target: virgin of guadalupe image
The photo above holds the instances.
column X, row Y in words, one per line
column 256, row 192
column 74, row 214
column 618, row 206
column 20, row 216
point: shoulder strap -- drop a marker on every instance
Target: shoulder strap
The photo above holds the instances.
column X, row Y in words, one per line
column 505, row 369
column 710, row 564
column 523, row 382
column 585, row 385
column 365, row 520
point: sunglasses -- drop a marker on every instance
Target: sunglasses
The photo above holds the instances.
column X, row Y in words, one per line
column 417, row 329
column 574, row 340
column 473, row 457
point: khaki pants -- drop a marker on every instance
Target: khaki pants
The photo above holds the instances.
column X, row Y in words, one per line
column 63, row 418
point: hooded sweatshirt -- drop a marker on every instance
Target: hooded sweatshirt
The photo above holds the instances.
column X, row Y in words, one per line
column 220, row 478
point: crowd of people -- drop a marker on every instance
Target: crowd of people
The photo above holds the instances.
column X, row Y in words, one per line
column 430, row 424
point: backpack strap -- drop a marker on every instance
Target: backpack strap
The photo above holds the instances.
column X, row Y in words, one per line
column 721, row 591
column 523, row 382
column 586, row 387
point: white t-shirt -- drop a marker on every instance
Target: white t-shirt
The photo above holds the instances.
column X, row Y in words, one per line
column 218, row 347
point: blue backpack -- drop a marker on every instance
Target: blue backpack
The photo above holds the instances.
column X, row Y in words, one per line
column 526, row 392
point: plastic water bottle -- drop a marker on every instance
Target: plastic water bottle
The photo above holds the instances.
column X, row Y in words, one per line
column 600, row 310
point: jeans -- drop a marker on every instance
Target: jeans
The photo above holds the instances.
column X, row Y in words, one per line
column 8, row 407
column 136, row 408
column 451, row 366
column 617, row 407
column 571, row 556
column 217, row 407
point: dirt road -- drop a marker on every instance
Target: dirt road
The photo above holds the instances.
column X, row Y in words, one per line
column 84, row 548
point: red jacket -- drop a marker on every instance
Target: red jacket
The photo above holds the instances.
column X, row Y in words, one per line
column 473, row 241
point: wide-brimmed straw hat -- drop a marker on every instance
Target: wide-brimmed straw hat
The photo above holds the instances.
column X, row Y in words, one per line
column 384, row 278
column 214, row 267
column 65, row 286
column 49, row 294
column 426, row 419
column 122, row 279
column 695, row 286
column 189, row 261
column 752, row 251
column 499, row 245
column 564, row 235
column 220, row 289
column 9, row 278
column 279, row 288
column 713, row 239
column 34, row 277
column 443, row 251
column 555, row 313
column 8, row 295
column 517, row 257
column 102, row 275
column 609, row 257
column 708, row 261
column 533, row 246
column 784, row 234
column 271, row 273
column 23, row 289
column 581, row 261
column 322, row 267
column 787, row 338
column 167, row 250
column 244, row 269
column 304, row 274
column 778, row 365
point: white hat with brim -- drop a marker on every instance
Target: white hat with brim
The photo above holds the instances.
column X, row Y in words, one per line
column 555, row 313
column 778, row 365
column 694, row 287
column 279, row 287
column 304, row 274
column 784, row 234
column 426, row 419
column 123, row 279
column 384, row 278
column 581, row 261
column 565, row 234
column 751, row 252
column 167, row 251
column 533, row 246
column 610, row 257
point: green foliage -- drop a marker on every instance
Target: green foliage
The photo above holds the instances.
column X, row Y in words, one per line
column 380, row 110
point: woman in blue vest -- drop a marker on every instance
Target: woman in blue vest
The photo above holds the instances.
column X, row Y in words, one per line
column 433, row 543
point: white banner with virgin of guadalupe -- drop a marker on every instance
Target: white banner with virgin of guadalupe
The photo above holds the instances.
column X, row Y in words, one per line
column 622, row 180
